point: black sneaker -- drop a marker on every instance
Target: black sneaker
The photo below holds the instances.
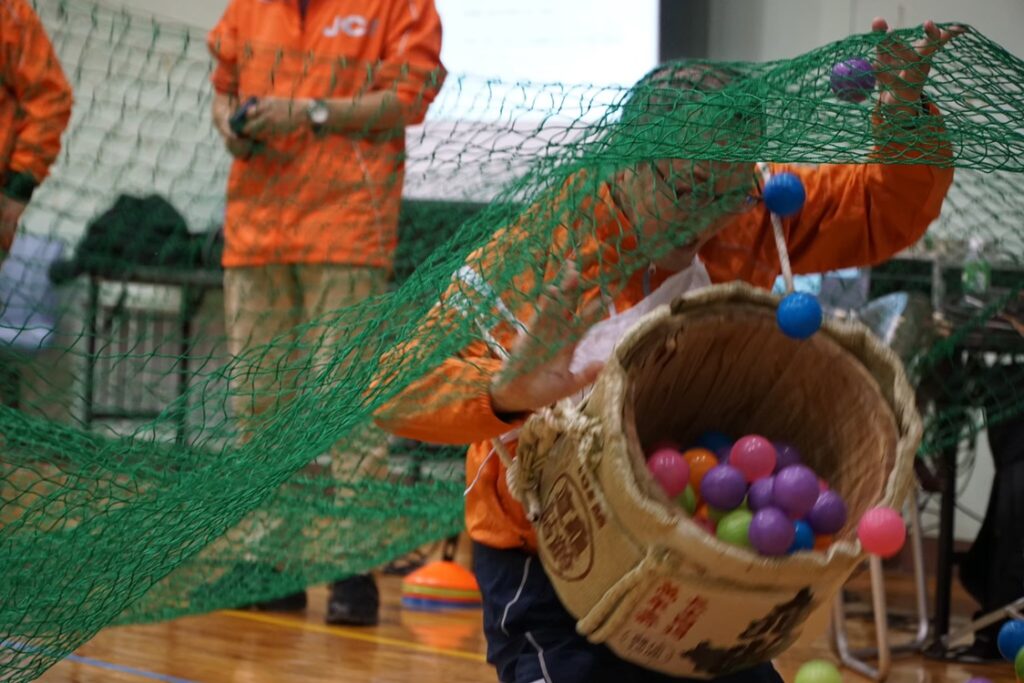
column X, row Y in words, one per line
column 354, row 602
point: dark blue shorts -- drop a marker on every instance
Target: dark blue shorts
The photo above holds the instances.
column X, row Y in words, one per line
column 532, row 638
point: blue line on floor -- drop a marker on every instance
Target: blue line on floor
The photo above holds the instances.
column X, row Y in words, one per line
column 98, row 663
column 142, row 673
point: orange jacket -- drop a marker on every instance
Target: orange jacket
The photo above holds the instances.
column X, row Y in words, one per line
column 331, row 199
column 35, row 102
column 854, row 215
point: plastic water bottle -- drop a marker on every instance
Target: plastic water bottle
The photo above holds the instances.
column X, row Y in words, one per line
column 977, row 274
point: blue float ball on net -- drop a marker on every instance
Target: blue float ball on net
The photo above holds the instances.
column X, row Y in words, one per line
column 784, row 194
column 799, row 315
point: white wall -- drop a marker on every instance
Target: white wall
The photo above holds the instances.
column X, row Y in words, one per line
column 199, row 13
column 777, row 29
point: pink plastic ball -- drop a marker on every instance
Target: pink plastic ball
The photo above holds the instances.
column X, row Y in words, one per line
column 670, row 470
column 882, row 532
column 754, row 456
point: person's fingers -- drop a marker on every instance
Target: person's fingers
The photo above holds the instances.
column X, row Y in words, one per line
column 254, row 123
column 588, row 375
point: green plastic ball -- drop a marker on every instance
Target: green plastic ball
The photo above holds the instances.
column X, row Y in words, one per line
column 1018, row 665
column 734, row 528
column 818, row 671
column 688, row 500
column 716, row 515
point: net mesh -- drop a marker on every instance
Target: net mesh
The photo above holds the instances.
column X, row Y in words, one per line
column 154, row 465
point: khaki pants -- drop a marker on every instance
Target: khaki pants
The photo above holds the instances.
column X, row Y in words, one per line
column 272, row 316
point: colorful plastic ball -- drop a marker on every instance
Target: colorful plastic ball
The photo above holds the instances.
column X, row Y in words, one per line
column 761, row 494
column 798, row 315
column 822, row 485
column 1018, row 665
column 771, row 532
column 701, row 460
column 713, row 441
column 1011, row 639
column 853, row 79
column 723, row 487
column 785, row 455
column 882, row 531
column 688, row 500
column 734, row 528
column 803, row 537
column 818, row 671
column 722, row 453
column 716, row 515
column 979, row 679
column 796, row 490
column 784, row 194
column 823, row 542
column 754, row 456
column 828, row 515
column 670, row 470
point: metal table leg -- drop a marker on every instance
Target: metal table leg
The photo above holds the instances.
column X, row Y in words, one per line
column 856, row 658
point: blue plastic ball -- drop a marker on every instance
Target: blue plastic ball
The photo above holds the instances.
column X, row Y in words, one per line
column 804, row 538
column 784, row 194
column 799, row 315
column 713, row 441
column 1011, row 639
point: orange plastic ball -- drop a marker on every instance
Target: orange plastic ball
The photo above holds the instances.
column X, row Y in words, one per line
column 701, row 461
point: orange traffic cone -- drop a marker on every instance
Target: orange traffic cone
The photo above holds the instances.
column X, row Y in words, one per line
column 440, row 585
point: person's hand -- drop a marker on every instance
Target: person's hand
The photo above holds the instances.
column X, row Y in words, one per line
column 240, row 148
column 533, row 376
column 902, row 69
column 274, row 116
column 10, row 214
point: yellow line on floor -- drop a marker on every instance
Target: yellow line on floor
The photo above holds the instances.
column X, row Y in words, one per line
column 350, row 634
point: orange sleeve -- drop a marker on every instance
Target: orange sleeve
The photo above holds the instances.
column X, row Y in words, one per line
column 33, row 75
column 222, row 42
column 861, row 215
column 412, row 56
column 451, row 403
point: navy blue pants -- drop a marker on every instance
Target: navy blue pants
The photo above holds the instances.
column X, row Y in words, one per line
column 532, row 638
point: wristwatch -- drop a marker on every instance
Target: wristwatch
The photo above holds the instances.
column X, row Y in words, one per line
column 317, row 113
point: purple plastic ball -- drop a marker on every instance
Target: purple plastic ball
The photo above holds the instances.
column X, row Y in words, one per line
column 723, row 453
column 828, row 515
column 786, row 455
column 724, row 487
column 796, row 490
column 762, row 494
column 772, row 532
column 853, row 79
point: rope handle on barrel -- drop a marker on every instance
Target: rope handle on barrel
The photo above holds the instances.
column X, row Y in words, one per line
column 780, row 238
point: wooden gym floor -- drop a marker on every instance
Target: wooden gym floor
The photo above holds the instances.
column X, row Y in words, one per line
column 253, row 647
